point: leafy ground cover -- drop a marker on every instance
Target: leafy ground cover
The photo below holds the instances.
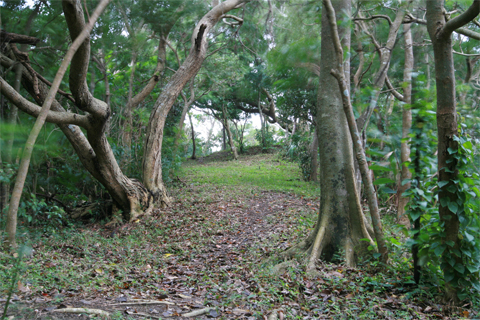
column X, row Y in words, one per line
column 206, row 256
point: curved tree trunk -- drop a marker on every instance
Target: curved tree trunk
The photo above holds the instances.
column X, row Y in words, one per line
column 152, row 162
column 131, row 197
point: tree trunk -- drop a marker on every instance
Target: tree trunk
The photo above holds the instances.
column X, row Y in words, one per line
column 440, row 32
column 11, row 225
column 405, row 173
column 340, row 225
column 152, row 162
column 194, row 146
column 229, row 133
column 314, row 157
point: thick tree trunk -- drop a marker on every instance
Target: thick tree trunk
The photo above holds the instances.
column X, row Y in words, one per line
column 152, row 162
column 441, row 35
column 340, row 225
column 405, row 173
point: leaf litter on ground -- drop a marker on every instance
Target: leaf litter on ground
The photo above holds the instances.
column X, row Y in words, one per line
column 204, row 257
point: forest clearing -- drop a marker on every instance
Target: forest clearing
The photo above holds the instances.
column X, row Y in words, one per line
column 210, row 249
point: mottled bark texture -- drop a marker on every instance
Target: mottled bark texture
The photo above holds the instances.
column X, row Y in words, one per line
column 370, row 193
column 340, row 224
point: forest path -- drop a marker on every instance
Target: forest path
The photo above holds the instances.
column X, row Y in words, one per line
column 206, row 254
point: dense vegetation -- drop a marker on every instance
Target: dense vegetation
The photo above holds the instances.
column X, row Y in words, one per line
column 125, row 163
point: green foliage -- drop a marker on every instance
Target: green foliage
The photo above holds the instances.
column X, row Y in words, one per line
column 36, row 212
column 460, row 264
column 14, row 274
column 299, row 152
column 266, row 137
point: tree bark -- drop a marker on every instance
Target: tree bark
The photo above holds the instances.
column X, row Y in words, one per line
column 194, row 147
column 340, row 223
column 314, row 157
column 229, row 133
column 152, row 162
column 405, row 173
column 339, row 74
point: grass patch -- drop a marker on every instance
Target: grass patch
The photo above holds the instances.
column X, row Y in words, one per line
column 258, row 172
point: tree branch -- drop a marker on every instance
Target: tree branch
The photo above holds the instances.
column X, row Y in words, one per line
column 7, row 37
column 376, row 16
column 79, row 67
column 392, row 90
column 34, row 109
column 461, row 20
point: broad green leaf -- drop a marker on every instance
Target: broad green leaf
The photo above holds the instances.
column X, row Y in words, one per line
column 460, row 268
column 453, row 206
column 441, row 184
column 383, row 181
column 439, row 250
column 376, row 167
column 469, row 237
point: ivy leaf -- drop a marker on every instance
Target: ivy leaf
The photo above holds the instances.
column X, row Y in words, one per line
column 388, row 190
column 476, row 285
column 452, row 151
column 472, row 269
column 449, row 276
column 441, row 184
column 460, row 268
column 469, row 237
column 452, row 188
column 444, row 202
column 414, row 215
column 453, row 206
column 439, row 250
column 376, row 167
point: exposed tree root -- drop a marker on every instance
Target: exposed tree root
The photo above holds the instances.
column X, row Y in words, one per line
column 84, row 310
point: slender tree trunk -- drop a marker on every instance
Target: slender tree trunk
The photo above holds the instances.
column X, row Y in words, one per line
column 314, row 157
column 128, row 127
column 194, row 147
column 224, row 138
column 441, row 35
column 405, row 173
column 229, row 133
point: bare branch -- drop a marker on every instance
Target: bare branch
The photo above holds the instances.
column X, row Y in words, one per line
column 376, row 16
column 463, row 31
column 393, row 91
column 7, row 37
column 34, row 110
column 461, row 20
column 466, row 54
